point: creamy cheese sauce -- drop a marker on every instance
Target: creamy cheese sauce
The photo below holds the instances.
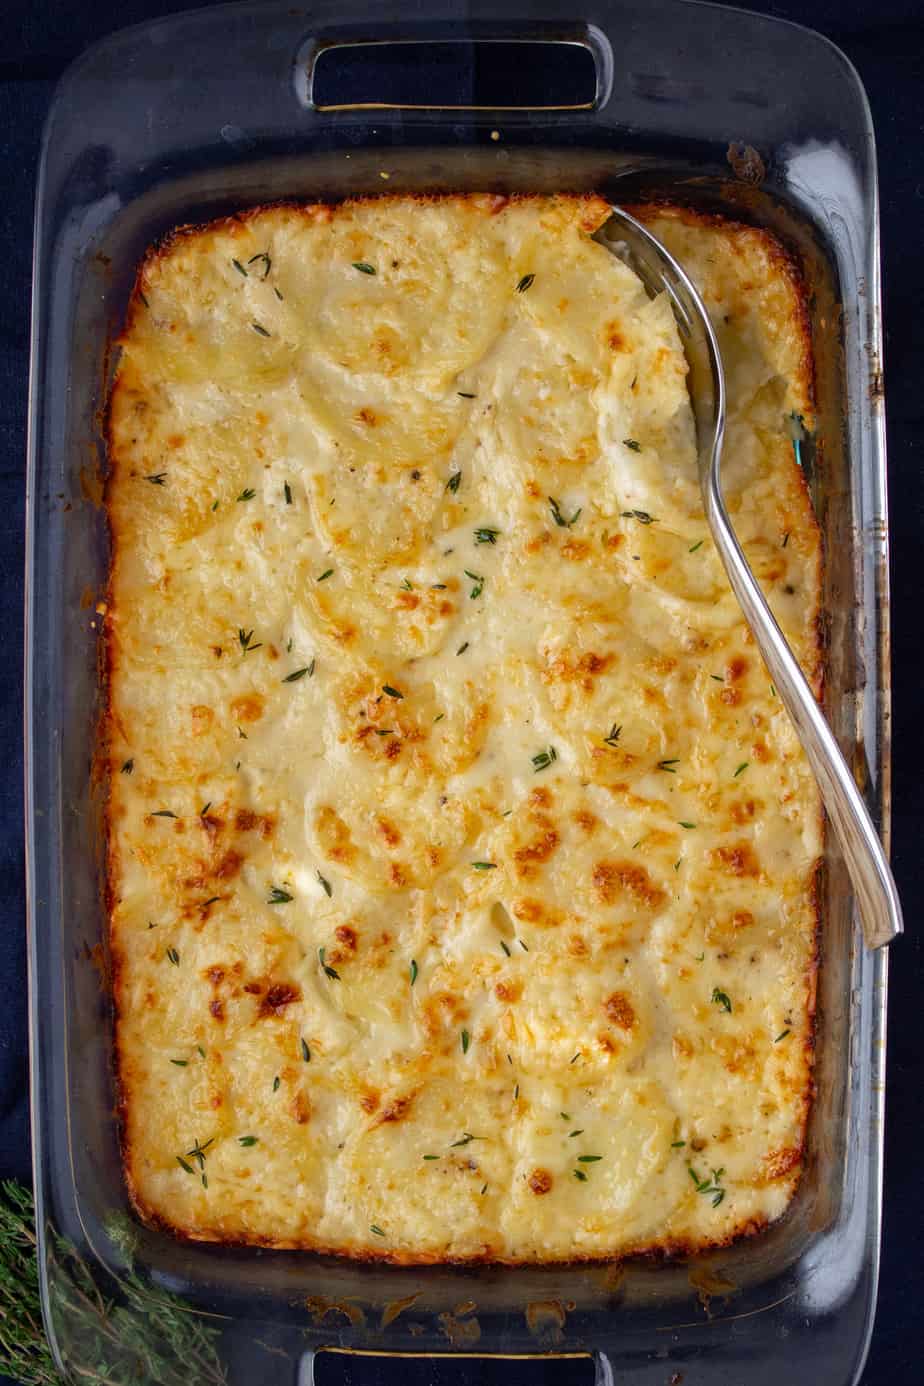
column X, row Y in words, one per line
column 461, row 853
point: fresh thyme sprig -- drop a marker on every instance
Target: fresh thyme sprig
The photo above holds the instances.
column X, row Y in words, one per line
column 710, row 1187
column 119, row 1331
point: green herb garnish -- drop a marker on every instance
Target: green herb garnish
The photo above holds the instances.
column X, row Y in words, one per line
column 525, row 283
column 287, row 492
column 454, row 482
column 364, row 267
column 710, row 1187
column 641, row 515
column 260, row 329
column 721, row 998
column 127, row 767
column 240, row 268
column 247, row 1140
column 477, row 580
column 668, row 765
column 325, row 885
column 466, row 1040
column 782, row 1036
column 392, row 692
column 485, row 865
column 544, row 759
column 743, row 766
column 300, row 673
column 484, row 535
column 325, row 575
column 413, row 970
column 267, row 262
column 245, row 639
column 278, row 896
column 156, row 478
column 558, row 517
column 613, row 737
column 198, row 1151
column 306, row 1052
column 163, row 813
column 462, row 648
column 247, row 494
column 329, row 971
column 374, row 1227
column 697, row 545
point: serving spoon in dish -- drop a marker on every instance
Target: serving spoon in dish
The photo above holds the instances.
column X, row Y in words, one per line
column 873, row 883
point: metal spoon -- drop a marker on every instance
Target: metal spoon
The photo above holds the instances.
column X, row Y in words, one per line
column 880, row 910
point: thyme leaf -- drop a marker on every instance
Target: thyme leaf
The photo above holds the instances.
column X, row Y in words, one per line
column 329, row 971
column 300, row 673
column 558, row 517
column 544, row 759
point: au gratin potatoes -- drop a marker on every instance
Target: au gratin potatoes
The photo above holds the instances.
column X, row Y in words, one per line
column 461, row 855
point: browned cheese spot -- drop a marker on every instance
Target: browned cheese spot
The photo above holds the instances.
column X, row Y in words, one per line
column 278, row 996
column 619, row 1010
column 736, row 859
column 614, row 879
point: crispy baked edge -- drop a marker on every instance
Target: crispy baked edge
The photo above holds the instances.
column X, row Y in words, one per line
column 667, row 1249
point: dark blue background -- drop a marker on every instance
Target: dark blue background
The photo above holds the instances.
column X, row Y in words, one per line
column 886, row 42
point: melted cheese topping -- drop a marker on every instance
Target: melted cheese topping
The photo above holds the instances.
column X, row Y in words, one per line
column 461, row 854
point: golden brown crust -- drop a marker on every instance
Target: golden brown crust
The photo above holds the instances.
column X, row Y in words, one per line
column 669, row 1248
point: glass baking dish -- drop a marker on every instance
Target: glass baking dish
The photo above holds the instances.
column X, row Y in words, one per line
column 195, row 115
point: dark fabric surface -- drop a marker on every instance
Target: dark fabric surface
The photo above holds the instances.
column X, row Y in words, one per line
column 886, row 42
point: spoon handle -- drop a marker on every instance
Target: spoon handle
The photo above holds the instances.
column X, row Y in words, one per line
column 877, row 896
